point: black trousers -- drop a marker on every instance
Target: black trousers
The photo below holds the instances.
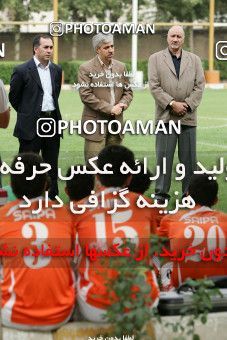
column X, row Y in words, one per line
column 165, row 147
column 49, row 148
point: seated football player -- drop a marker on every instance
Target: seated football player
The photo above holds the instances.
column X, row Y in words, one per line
column 111, row 216
column 80, row 185
column 140, row 182
column 197, row 237
column 38, row 290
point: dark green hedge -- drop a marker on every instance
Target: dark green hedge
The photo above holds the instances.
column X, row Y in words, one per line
column 141, row 66
column 6, row 69
column 71, row 69
column 220, row 65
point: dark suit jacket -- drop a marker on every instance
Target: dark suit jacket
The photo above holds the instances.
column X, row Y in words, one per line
column 26, row 96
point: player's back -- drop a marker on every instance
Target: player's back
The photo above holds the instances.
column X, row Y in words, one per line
column 37, row 287
column 99, row 229
column 198, row 237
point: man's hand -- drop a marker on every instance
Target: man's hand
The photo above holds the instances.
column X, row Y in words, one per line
column 124, row 106
column 180, row 108
column 117, row 109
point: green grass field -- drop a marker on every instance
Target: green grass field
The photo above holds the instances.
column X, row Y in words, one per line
column 211, row 135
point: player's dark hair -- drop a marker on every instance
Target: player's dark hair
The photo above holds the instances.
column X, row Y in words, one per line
column 30, row 188
column 140, row 182
column 36, row 40
column 115, row 155
column 203, row 190
column 80, row 185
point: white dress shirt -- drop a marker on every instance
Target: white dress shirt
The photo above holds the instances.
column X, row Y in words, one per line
column 45, row 78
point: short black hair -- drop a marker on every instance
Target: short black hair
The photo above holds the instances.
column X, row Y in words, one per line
column 29, row 188
column 81, row 185
column 36, row 40
column 115, row 155
column 203, row 190
column 140, row 182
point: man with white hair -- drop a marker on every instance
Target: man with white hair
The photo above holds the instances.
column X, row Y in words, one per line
column 176, row 81
column 106, row 93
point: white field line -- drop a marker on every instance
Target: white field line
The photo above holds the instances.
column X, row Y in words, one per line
column 220, row 146
column 211, row 127
column 211, row 118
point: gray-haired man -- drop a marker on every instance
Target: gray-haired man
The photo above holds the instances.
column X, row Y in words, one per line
column 105, row 92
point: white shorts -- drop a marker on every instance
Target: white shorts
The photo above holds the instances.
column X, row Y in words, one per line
column 90, row 312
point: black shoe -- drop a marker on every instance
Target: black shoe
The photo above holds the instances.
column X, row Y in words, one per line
column 161, row 200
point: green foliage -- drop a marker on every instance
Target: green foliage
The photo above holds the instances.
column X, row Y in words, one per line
column 21, row 11
column 81, row 10
column 198, row 309
column 182, row 10
column 221, row 10
column 138, row 312
column 201, row 303
column 131, row 310
column 18, row 11
column 142, row 65
column 6, row 70
column 70, row 69
column 220, row 65
column 188, row 10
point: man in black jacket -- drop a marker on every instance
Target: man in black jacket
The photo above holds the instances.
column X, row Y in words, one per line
column 34, row 90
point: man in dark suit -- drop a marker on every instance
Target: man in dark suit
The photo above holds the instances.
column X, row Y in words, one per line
column 34, row 90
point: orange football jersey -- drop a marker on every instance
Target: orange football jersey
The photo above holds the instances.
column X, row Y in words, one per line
column 198, row 240
column 96, row 228
column 38, row 286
